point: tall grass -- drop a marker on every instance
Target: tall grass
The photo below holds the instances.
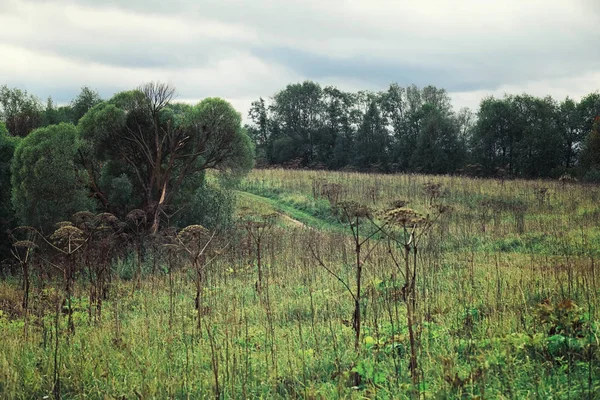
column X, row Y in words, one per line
column 507, row 293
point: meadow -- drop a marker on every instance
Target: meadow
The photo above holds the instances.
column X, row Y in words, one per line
column 464, row 288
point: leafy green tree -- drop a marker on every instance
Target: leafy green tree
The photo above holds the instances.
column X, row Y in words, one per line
column 7, row 217
column 589, row 110
column 438, row 98
column 20, row 111
column 590, row 154
column 493, row 137
column 85, row 100
column 46, row 187
column 538, row 141
column 372, row 141
column 336, row 142
column 259, row 130
column 3, row 130
column 569, row 122
column 211, row 206
column 54, row 115
column 298, row 110
column 394, row 108
column 412, row 128
column 439, row 149
column 155, row 147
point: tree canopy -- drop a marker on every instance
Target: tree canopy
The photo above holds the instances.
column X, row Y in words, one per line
column 143, row 143
column 46, row 187
column 412, row 129
column 138, row 150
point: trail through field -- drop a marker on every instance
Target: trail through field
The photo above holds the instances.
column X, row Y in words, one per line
column 293, row 216
column 292, row 221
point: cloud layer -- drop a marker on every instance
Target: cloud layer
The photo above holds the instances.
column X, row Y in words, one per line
column 241, row 50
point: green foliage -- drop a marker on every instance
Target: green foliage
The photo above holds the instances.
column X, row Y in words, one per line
column 325, row 127
column 227, row 137
column 371, row 145
column 20, row 111
column 121, row 192
column 370, row 372
column 416, row 130
column 438, row 149
column 7, row 217
column 590, row 155
column 84, row 101
column 46, row 188
column 520, row 135
column 592, row 176
column 210, row 206
column 501, row 313
column 142, row 151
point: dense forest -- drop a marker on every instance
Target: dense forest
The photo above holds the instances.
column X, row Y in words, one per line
column 417, row 130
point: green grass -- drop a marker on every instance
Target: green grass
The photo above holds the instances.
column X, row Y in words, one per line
column 503, row 310
column 298, row 209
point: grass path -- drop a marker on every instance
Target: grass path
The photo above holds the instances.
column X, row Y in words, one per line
column 292, row 215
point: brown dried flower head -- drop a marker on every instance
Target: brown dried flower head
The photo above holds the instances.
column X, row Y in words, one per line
column 352, row 209
column 67, row 235
column 24, row 230
column 404, row 217
column 84, row 219
column 62, row 224
column 193, row 234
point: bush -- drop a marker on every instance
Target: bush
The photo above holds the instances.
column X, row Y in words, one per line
column 211, row 206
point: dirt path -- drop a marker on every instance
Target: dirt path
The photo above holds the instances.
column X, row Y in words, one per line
column 291, row 220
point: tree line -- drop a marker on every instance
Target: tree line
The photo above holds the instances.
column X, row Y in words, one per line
column 139, row 151
column 417, row 130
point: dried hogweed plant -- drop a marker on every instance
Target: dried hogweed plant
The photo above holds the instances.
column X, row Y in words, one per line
column 405, row 229
column 198, row 244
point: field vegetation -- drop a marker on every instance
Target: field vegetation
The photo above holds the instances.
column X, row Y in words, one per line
column 321, row 285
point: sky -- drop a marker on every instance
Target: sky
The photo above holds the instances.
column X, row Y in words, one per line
column 241, row 50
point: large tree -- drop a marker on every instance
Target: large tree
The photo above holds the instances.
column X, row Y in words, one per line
column 493, row 140
column 7, row 149
column 157, row 147
column 538, row 141
column 85, row 100
column 259, row 130
column 589, row 111
column 569, row 123
column 298, row 109
column 590, row 154
column 20, row 111
column 338, row 134
column 372, row 141
column 46, row 187
column 439, row 149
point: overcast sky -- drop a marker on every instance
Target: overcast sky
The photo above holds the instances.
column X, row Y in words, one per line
column 244, row 49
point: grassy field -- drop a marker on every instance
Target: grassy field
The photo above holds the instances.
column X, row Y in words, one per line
column 503, row 305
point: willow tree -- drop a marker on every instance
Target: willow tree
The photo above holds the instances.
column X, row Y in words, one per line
column 155, row 148
column 46, row 187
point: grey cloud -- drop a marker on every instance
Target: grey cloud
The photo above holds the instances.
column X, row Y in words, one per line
column 251, row 49
column 365, row 69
